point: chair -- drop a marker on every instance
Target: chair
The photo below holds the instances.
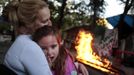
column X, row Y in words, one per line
column 5, row 70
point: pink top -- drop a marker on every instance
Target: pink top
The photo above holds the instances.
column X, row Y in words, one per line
column 70, row 67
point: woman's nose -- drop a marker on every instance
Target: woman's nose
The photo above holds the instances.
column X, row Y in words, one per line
column 49, row 22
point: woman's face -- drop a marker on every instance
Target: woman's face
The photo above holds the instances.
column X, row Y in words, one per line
column 43, row 18
column 50, row 46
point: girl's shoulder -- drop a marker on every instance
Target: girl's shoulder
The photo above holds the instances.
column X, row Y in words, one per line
column 70, row 66
column 69, row 59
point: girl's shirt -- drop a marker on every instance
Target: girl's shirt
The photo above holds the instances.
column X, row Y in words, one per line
column 70, row 67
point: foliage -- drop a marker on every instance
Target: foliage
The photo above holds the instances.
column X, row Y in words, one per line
column 97, row 6
column 129, row 6
column 3, row 2
column 4, row 27
column 75, row 14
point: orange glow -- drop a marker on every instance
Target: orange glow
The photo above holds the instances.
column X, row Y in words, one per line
column 86, row 55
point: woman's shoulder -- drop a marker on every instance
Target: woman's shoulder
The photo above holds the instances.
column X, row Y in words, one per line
column 25, row 44
column 24, row 37
column 25, row 41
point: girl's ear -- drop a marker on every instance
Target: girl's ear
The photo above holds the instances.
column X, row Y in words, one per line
column 62, row 42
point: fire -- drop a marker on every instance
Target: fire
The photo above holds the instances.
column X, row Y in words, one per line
column 86, row 55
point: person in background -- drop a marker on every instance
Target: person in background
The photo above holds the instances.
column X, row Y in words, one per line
column 59, row 59
column 25, row 57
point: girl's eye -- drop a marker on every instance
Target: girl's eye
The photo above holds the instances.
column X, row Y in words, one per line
column 53, row 46
column 43, row 48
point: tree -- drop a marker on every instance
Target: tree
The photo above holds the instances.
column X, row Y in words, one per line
column 77, row 10
column 129, row 6
column 57, row 11
column 97, row 7
column 123, row 36
column 60, row 22
column 69, row 14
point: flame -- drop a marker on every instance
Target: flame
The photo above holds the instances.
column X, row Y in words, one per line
column 86, row 55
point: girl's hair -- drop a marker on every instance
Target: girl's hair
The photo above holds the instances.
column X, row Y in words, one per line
column 21, row 13
column 59, row 64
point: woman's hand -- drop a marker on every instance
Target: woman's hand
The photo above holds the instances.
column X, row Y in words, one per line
column 82, row 70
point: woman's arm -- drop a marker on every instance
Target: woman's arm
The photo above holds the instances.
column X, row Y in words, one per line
column 35, row 61
column 81, row 69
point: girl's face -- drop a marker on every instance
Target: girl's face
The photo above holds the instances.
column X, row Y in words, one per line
column 43, row 18
column 50, row 46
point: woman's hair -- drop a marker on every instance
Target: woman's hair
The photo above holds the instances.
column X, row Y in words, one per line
column 59, row 64
column 21, row 13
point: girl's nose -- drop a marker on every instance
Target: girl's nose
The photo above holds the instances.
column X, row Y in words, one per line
column 49, row 52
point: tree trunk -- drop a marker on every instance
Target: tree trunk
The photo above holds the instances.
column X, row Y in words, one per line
column 60, row 22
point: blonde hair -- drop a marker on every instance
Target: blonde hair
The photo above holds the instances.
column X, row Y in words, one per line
column 21, row 13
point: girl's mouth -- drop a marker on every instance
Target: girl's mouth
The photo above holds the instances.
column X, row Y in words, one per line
column 50, row 59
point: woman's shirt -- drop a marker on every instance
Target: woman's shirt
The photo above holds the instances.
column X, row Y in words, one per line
column 26, row 57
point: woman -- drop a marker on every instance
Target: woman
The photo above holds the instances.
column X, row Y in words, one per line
column 25, row 56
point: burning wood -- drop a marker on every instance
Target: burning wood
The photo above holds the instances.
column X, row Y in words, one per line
column 86, row 55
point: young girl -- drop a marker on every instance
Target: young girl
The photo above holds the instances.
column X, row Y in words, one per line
column 58, row 58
